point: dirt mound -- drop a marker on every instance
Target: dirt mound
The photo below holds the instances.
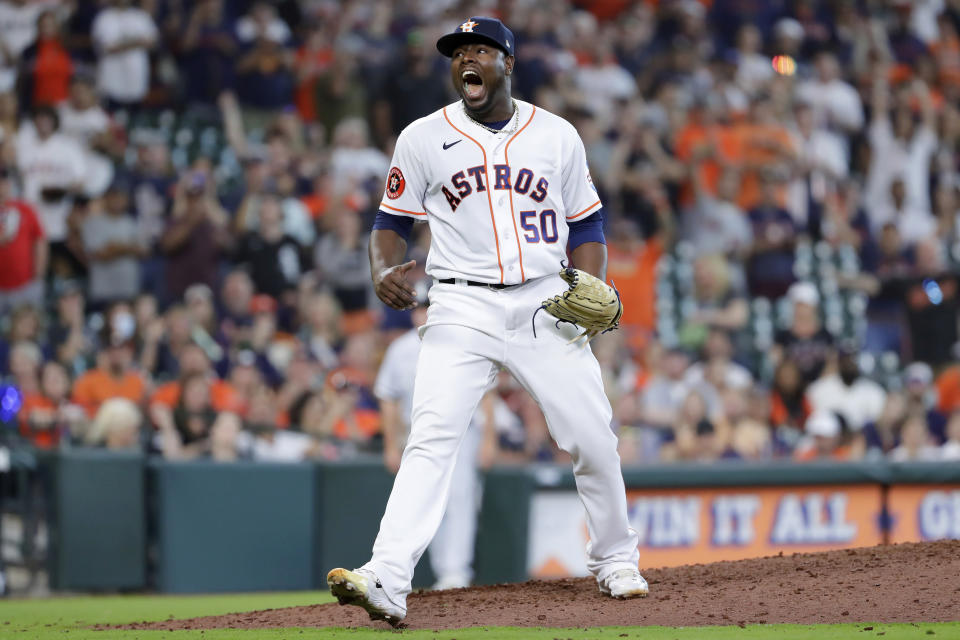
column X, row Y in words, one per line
column 898, row 583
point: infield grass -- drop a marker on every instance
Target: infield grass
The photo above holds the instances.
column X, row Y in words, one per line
column 68, row 618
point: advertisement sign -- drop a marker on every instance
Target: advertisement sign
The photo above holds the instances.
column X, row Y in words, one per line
column 685, row 526
column 924, row 512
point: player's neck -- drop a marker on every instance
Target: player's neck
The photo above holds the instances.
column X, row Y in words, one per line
column 499, row 110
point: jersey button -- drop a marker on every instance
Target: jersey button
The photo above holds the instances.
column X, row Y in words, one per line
column 510, row 268
column 501, row 200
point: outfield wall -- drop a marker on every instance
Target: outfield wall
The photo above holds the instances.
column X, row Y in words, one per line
column 122, row 522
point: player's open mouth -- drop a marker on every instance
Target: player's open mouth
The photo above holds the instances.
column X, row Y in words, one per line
column 472, row 84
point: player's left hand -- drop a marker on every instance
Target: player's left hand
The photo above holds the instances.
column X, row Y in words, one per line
column 588, row 302
column 392, row 287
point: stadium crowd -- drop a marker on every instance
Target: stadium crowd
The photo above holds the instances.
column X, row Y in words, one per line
column 187, row 188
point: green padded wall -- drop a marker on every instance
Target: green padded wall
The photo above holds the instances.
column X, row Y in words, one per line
column 98, row 532
column 235, row 526
column 501, row 553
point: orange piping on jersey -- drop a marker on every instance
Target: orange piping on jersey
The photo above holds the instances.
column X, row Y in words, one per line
column 413, row 213
column 496, row 239
column 577, row 215
column 513, row 216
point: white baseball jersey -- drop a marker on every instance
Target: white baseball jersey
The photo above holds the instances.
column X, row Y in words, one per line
column 57, row 161
column 498, row 204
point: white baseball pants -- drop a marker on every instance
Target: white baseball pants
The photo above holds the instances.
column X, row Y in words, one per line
column 470, row 333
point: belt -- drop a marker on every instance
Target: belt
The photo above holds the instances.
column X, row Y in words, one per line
column 472, row 283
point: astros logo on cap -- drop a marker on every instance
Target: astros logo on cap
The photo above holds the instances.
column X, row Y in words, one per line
column 467, row 27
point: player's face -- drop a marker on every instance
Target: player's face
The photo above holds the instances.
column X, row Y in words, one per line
column 478, row 72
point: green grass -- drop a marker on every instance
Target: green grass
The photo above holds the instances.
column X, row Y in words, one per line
column 67, row 618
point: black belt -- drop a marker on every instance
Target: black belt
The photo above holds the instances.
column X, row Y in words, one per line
column 472, row 283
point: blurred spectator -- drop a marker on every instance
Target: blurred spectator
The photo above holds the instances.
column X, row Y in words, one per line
column 806, row 342
column 45, row 66
column 186, row 433
column 111, row 242
column 632, row 266
column 342, row 264
column 195, row 235
column 272, row 256
column 951, row 448
column 49, row 416
column 71, row 340
column 835, row 103
column 18, row 30
column 751, row 440
column 83, row 119
column 339, row 93
column 770, row 266
column 152, row 186
column 270, row 444
column 23, row 325
column 788, row 403
column 207, row 49
column 51, row 166
column 123, row 35
column 715, row 224
column 313, row 58
column 912, row 223
column 663, row 396
column 601, row 80
column 236, row 307
column 227, row 443
column 415, row 86
column 847, row 392
column 116, row 426
column 753, row 68
column 320, row 331
column 309, row 413
column 24, row 362
column 916, row 445
column 899, row 147
column 720, row 304
column 765, row 154
column 264, row 67
column 115, row 375
column 717, row 366
column 930, row 296
column 822, row 163
column 23, row 250
column 193, row 362
column 906, row 47
column 694, row 436
column 350, row 401
column 948, row 389
column 353, row 158
column 824, row 439
column 918, row 398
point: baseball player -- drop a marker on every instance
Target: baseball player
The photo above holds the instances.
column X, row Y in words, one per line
column 505, row 188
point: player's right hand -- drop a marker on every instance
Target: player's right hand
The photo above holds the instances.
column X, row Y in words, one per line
column 392, row 287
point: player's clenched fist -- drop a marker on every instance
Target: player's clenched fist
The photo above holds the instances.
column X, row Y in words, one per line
column 392, row 287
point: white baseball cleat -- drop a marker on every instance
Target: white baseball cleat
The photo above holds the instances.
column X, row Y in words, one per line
column 624, row 583
column 362, row 588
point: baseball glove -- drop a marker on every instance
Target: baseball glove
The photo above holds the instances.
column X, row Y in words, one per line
column 589, row 302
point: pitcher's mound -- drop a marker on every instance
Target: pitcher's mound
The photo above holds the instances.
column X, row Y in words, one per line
column 898, row 583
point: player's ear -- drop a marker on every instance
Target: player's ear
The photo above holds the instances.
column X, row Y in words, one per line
column 508, row 64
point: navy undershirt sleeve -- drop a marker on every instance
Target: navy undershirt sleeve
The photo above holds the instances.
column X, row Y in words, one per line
column 587, row 230
column 401, row 224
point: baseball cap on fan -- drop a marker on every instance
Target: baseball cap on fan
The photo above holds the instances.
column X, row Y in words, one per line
column 478, row 29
